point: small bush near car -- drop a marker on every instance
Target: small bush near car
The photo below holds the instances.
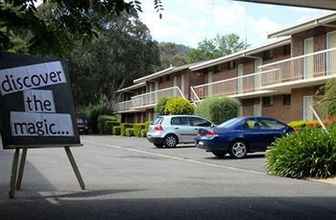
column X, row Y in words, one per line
column 218, row 109
column 137, row 129
column 123, row 128
column 178, row 106
column 308, row 153
column 129, row 132
column 144, row 132
column 116, row 130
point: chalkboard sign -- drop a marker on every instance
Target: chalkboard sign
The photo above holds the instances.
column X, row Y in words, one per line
column 36, row 103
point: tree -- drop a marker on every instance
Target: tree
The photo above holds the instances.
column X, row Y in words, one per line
column 216, row 47
column 21, row 17
column 122, row 52
column 328, row 100
column 218, row 109
column 173, row 54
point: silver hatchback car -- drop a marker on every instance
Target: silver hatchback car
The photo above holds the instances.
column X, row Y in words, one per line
column 170, row 130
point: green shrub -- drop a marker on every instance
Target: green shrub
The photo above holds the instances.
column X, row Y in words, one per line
column 161, row 105
column 123, row 128
column 143, row 132
column 218, row 109
column 308, row 153
column 93, row 112
column 129, row 132
column 116, row 130
column 102, row 120
column 137, row 129
column 178, row 106
column 147, row 124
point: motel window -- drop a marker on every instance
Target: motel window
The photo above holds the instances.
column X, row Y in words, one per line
column 286, row 99
column 267, row 101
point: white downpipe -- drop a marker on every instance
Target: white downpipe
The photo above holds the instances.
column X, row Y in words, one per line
column 318, row 118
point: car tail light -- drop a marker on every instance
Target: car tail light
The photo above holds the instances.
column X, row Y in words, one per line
column 207, row 133
column 158, row 127
column 211, row 133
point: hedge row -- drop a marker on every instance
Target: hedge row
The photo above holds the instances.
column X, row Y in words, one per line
column 298, row 125
column 129, row 129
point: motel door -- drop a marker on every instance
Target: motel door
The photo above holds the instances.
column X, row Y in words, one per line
column 307, row 112
column 331, row 55
column 309, row 60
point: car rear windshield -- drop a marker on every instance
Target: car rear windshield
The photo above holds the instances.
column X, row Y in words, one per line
column 157, row 120
column 229, row 123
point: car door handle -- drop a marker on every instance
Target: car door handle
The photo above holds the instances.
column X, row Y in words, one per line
column 176, row 128
column 196, row 129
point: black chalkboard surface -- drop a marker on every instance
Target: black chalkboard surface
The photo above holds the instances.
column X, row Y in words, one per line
column 36, row 103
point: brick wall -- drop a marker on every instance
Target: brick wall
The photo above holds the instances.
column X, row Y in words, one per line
column 276, row 54
column 224, row 72
column 278, row 110
column 166, row 81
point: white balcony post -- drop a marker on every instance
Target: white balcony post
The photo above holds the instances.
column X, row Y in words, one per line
column 257, row 81
column 175, row 85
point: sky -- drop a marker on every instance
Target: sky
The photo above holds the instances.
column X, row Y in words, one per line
column 190, row 21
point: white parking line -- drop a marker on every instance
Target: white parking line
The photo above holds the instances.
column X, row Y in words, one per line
column 50, row 197
column 177, row 158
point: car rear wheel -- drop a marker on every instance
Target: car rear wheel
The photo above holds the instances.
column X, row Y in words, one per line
column 170, row 141
column 238, row 150
column 219, row 154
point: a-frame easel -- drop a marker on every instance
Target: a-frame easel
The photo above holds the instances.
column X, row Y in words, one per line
column 18, row 166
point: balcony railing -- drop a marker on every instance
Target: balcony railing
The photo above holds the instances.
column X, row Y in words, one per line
column 148, row 99
column 306, row 67
column 228, row 87
column 313, row 66
column 124, row 106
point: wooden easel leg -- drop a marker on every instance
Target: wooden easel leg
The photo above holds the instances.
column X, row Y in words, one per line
column 75, row 167
column 14, row 173
column 21, row 169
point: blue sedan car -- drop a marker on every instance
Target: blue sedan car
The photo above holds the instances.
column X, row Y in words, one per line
column 241, row 135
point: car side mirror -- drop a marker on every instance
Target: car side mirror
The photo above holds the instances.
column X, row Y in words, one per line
column 212, row 125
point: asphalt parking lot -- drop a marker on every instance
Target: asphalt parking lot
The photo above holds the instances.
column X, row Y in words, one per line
column 128, row 178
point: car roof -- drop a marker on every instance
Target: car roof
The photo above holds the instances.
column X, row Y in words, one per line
column 257, row 117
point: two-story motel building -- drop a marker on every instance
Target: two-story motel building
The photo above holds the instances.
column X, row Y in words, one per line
column 277, row 79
